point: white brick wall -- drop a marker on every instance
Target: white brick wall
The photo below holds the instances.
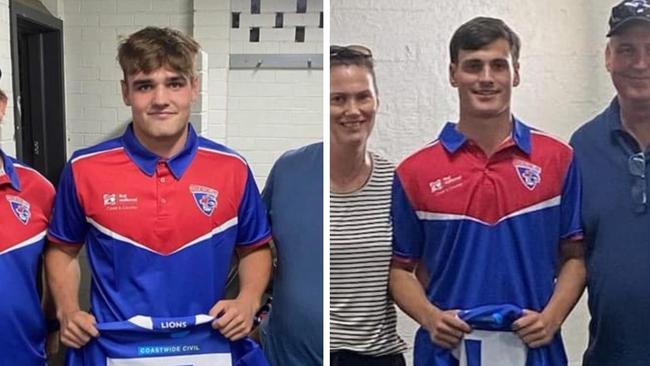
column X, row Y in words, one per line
column 564, row 82
column 200, row 109
column 7, row 126
column 94, row 107
column 211, row 30
column 270, row 111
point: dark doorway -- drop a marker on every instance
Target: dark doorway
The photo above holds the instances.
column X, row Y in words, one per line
column 37, row 58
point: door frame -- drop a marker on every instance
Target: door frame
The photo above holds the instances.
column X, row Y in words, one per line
column 45, row 83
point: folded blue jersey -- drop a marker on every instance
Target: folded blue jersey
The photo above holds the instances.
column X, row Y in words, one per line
column 492, row 341
column 492, row 317
column 146, row 341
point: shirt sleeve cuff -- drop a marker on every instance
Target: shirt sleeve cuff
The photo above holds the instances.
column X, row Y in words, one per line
column 257, row 243
column 53, row 239
column 404, row 261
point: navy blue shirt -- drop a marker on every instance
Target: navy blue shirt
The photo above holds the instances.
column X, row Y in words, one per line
column 618, row 243
column 293, row 195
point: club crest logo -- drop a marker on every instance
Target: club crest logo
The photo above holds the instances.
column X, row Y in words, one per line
column 20, row 207
column 205, row 198
column 529, row 174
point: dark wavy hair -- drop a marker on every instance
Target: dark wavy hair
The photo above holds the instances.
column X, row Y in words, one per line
column 481, row 31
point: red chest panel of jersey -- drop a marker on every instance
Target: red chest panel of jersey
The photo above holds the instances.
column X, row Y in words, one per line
column 159, row 212
column 466, row 183
column 24, row 213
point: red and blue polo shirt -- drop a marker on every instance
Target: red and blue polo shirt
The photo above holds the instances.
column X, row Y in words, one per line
column 487, row 230
column 26, row 199
column 159, row 234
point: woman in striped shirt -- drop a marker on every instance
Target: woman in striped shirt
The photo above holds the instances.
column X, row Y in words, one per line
column 362, row 315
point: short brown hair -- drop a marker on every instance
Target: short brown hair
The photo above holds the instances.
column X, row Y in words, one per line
column 349, row 56
column 152, row 48
column 480, row 32
column 3, row 96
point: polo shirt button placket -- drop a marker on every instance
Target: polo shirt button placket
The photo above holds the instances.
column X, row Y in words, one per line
column 162, row 171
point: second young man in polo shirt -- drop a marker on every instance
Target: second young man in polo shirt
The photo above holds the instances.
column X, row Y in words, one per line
column 160, row 209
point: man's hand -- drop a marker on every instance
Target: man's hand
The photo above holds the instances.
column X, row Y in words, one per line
column 535, row 329
column 77, row 328
column 234, row 318
column 446, row 329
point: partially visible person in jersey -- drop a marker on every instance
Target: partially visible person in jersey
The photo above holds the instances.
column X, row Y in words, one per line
column 362, row 315
column 489, row 214
column 613, row 151
column 26, row 199
column 292, row 334
column 160, row 210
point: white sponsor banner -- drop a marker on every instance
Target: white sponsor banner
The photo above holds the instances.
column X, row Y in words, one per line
column 213, row 359
column 496, row 349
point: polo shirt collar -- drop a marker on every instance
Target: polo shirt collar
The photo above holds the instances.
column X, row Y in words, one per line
column 147, row 161
column 452, row 139
column 614, row 117
column 616, row 130
column 10, row 175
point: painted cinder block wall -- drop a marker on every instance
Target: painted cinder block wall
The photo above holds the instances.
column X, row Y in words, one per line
column 7, row 126
column 563, row 78
column 270, row 111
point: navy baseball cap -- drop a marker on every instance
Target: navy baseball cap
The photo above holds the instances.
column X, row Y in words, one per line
column 626, row 12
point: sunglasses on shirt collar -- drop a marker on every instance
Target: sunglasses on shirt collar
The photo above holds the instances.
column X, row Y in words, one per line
column 636, row 165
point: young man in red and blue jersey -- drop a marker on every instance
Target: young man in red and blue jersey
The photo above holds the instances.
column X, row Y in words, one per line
column 26, row 199
column 488, row 214
column 160, row 210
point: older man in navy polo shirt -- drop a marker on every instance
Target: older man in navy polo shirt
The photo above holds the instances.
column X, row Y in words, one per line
column 612, row 152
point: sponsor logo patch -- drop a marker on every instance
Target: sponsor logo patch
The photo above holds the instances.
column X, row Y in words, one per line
column 20, row 207
column 205, row 198
column 529, row 174
column 119, row 201
column 445, row 184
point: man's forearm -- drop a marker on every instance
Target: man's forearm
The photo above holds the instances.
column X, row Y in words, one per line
column 569, row 286
column 254, row 274
column 408, row 294
column 63, row 278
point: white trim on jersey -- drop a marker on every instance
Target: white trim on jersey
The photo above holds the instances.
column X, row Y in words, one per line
column 95, row 153
column 33, row 240
column 438, row 216
column 19, row 165
column 146, row 322
column 417, row 151
column 203, row 318
column 554, row 138
column 114, row 235
column 207, row 149
column 142, row 321
column 211, row 359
